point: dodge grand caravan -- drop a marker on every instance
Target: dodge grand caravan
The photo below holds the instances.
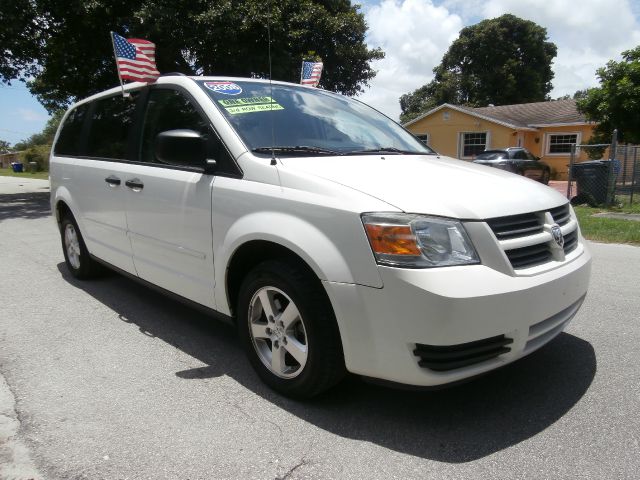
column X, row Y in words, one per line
column 334, row 240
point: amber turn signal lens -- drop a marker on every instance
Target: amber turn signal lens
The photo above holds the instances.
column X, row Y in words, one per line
column 392, row 239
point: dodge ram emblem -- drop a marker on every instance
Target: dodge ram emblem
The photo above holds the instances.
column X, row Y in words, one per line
column 557, row 235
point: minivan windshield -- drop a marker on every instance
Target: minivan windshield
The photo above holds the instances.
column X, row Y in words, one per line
column 306, row 121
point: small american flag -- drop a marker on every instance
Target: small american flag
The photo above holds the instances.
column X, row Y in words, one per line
column 311, row 72
column 136, row 58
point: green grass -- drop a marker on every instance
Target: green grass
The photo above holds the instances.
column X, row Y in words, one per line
column 609, row 230
column 7, row 172
column 622, row 204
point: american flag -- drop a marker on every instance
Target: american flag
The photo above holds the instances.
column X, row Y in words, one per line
column 136, row 58
column 311, row 72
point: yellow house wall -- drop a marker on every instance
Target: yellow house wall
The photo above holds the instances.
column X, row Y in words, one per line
column 444, row 128
column 444, row 132
column 537, row 143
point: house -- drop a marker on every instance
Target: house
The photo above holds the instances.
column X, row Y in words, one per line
column 546, row 129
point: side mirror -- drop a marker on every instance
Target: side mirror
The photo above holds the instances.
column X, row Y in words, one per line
column 181, row 147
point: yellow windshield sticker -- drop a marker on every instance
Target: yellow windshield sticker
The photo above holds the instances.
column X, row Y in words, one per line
column 249, row 105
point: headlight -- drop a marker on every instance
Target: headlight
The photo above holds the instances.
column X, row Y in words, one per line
column 416, row 241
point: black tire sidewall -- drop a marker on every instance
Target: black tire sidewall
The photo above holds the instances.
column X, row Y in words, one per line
column 319, row 323
column 85, row 269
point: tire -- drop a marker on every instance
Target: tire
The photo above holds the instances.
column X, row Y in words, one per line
column 76, row 255
column 545, row 177
column 284, row 309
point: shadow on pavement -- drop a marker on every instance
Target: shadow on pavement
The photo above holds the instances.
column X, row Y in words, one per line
column 24, row 205
column 458, row 424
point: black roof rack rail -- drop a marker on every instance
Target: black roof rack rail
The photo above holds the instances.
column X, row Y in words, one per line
column 171, row 74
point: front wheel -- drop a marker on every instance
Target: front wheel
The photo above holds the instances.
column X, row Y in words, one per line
column 289, row 330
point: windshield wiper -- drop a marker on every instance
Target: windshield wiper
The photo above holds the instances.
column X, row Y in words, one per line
column 297, row 149
column 386, row 150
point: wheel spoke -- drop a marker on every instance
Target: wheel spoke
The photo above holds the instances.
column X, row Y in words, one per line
column 296, row 349
column 289, row 315
column 277, row 359
column 259, row 330
column 267, row 306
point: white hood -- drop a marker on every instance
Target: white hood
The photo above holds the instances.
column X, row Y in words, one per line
column 433, row 185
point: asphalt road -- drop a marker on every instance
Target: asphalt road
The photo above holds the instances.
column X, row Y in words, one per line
column 109, row 380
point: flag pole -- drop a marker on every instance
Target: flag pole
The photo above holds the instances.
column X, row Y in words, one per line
column 115, row 56
column 301, row 70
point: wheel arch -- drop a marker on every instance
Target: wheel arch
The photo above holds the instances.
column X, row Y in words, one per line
column 250, row 254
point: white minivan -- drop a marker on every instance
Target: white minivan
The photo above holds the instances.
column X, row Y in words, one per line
column 335, row 240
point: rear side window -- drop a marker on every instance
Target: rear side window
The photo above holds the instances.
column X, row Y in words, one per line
column 111, row 121
column 491, row 155
column 70, row 138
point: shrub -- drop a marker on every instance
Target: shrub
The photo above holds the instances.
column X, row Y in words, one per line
column 38, row 154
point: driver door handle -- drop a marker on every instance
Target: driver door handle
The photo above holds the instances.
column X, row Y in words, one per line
column 112, row 180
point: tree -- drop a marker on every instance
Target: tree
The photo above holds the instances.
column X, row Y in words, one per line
column 5, row 146
column 20, row 39
column 616, row 102
column 500, row 61
column 221, row 37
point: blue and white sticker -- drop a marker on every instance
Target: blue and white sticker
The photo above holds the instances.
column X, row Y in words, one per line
column 227, row 88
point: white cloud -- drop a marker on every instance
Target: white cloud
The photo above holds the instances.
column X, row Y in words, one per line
column 29, row 115
column 414, row 34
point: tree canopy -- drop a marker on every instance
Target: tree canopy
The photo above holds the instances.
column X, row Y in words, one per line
column 616, row 102
column 499, row 61
column 64, row 47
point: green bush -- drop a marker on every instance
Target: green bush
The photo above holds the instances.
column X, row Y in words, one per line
column 39, row 154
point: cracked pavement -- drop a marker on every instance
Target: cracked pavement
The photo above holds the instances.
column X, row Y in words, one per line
column 109, row 380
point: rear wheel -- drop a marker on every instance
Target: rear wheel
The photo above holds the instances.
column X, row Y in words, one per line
column 288, row 330
column 76, row 255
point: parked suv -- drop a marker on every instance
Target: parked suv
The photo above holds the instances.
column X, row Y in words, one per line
column 331, row 237
column 517, row 160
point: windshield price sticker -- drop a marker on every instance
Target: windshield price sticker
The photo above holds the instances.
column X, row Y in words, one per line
column 254, row 108
column 249, row 105
column 245, row 101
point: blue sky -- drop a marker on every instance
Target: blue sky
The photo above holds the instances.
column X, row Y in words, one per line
column 416, row 33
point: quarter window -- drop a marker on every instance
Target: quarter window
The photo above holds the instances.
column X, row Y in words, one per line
column 561, row 144
column 70, row 138
column 111, row 121
column 473, row 143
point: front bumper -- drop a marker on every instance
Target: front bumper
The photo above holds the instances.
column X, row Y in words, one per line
column 380, row 328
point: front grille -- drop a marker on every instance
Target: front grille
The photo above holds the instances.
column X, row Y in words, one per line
column 526, row 239
column 570, row 241
column 529, row 256
column 515, row 226
column 442, row 358
column 561, row 215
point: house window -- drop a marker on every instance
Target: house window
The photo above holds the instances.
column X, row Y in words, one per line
column 560, row 144
column 473, row 143
column 423, row 137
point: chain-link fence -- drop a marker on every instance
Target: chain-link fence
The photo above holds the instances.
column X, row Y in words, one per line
column 613, row 179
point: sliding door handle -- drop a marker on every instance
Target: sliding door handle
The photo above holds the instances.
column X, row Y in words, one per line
column 135, row 184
